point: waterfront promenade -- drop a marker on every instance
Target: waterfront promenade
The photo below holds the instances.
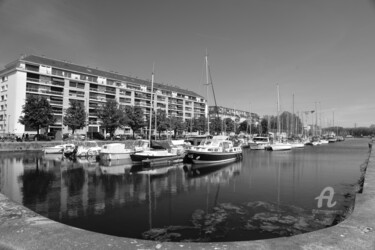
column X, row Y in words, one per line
column 21, row 228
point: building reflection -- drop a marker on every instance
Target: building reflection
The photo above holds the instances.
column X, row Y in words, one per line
column 62, row 189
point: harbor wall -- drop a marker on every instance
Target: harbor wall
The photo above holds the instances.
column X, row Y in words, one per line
column 21, row 228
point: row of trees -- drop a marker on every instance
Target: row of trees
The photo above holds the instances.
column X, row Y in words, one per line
column 38, row 113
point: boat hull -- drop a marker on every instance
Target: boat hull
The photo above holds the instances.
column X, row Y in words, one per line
column 214, row 157
column 114, row 156
column 139, row 157
column 280, row 147
column 258, row 146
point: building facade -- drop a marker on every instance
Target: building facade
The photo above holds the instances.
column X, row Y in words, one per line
column 234, row 114
column 61, row 81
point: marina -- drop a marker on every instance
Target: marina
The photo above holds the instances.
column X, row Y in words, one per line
column 266, row 195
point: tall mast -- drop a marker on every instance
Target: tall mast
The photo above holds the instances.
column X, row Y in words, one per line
column 316, row 120
column 251, row 119
column 207, row 83
column 278, row 110
column 293, row 117
column 151, row 106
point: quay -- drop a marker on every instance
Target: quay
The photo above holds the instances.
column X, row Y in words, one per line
column 21, row 228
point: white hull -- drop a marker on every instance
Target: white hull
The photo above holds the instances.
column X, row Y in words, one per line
column 256, row 146
column 53, row 150
column 280, row 146
column 114, row 156
column 297, row 145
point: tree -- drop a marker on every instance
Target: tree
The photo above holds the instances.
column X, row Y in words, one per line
column 216, row 125
column 176, row 124
column 75, row 116
column 112, row 116
column 200, row 124
column 228, row 125
column 37, row 112
column 135, row 118
column 162, row 123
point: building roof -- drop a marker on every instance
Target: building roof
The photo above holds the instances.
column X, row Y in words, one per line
column 68, row 66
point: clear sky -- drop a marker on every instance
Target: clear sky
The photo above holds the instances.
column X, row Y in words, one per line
column 322, row 51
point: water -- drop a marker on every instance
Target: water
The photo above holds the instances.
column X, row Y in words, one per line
column 268, row 194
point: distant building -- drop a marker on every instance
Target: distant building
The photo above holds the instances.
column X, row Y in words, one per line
column 61, row 81
column 234, row 114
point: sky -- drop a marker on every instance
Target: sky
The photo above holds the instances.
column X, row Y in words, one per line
column 322, row 52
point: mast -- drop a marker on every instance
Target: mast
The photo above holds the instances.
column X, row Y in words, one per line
column 278, row 110
column 251, row 119
column 207, row 83
column 293, row 117
column 151, row 106
column 316, row 120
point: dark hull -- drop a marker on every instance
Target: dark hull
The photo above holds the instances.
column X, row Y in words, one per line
column 207, row 158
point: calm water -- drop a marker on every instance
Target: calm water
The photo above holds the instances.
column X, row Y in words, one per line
column 268, row 194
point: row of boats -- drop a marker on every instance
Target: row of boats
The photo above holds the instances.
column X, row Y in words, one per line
column 218, row 149
column 210, row 151
column 265, row 143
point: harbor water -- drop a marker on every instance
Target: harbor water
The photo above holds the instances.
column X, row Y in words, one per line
column 266, row 195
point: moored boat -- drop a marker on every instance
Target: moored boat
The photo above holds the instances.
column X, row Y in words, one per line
column 58, row 149
column 259, row 143
column 214, row 151
column 279, row 146
column 115, row 151
column 158, row 150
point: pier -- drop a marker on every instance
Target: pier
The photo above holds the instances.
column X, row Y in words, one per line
column 21, row 228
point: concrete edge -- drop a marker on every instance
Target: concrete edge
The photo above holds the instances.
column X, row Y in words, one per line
column 21, row 228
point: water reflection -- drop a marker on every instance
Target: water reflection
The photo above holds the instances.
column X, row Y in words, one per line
column 268, row 194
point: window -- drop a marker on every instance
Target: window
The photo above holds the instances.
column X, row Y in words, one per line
column 32, row 67
column 76, row 93
column 57, row 72
column 79, row 85
column 4, row 78
column 125, row 100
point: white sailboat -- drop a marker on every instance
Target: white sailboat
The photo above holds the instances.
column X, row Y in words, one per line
column 279, row 144
column 150, row 153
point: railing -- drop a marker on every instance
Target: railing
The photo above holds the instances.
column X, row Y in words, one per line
column 110, row 92
column 56, row 102
column 43, row 91
column 57, row 83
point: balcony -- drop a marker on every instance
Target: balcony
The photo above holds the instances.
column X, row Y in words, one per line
column 44, row 91
column 56, row 102
column 113, row 92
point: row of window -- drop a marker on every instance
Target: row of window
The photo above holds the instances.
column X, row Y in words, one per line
column 109, row 82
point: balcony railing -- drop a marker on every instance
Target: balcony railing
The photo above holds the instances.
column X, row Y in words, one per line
column 56, row 102
column 43, row 91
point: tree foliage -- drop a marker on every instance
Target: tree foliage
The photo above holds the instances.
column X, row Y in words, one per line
column 176, row 124
column 135, row 118
column 112, row 116
column 216, row 125
column 75, row 116
column 37, row 112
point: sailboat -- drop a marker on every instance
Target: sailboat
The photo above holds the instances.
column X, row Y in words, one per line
column 279, row 145
column 218, row 150
column 160, row 152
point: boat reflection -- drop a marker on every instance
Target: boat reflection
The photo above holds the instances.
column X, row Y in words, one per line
column 209, row 169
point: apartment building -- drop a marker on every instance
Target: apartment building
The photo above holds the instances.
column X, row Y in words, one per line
column 234, row 114
column 62, row 81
